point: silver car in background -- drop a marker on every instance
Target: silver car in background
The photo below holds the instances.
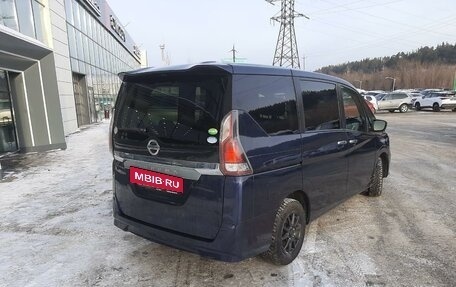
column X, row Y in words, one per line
column 395, row 101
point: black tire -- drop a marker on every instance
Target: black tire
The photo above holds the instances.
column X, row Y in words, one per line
column 454, row 110
column 418, row 106
column 391, row 111
column 403, row 108
column 436, row 107
column 287, row 233
column 376, row 183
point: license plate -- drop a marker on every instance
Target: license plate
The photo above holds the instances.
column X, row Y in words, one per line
column 156, row 180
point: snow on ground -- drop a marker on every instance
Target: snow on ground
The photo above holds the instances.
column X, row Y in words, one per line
column 55, row 213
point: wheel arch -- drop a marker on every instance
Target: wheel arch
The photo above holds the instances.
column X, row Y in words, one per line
column 302, row 197
column 385, row 161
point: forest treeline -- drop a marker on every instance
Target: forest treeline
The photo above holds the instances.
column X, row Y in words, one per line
column 427, row 67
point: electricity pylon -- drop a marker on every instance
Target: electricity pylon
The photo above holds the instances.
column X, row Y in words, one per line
column 234, row 51
column 165, row 57
column 286, row 53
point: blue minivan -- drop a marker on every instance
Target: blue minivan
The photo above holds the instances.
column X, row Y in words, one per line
column 231, row 161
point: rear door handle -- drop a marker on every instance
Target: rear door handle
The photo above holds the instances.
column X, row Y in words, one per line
column 353, row 141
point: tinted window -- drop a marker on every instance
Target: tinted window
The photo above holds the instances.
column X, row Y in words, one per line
column 175, row 110
column 269, row 100
column 321, row 109
column 353, row 117
column 399, row 96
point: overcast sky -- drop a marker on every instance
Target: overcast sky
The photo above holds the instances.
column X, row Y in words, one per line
column 337, row 31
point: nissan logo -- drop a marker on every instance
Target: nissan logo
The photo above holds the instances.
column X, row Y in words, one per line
column 153, row 147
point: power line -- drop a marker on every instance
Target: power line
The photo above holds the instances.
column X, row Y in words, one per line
column 347, row 7
column 387, row 40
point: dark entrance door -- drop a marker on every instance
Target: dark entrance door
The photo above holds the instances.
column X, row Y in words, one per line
column 81, row 100
column 8, row 139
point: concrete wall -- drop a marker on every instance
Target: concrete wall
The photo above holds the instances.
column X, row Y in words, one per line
column 37, row 107
column 62, row 65
column 21, row 110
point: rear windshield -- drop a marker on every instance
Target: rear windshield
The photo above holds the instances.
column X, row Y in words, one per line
column 182, row 112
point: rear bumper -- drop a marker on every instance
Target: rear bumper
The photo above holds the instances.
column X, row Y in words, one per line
column 233, row 242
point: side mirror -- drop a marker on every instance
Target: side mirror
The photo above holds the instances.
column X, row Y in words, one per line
column 423, row 97
column 380, row 125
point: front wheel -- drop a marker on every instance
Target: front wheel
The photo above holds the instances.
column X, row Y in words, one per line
column 403, row 108
column 376, row 183
column 417, row 106
column 287, row 232
column 436, row 107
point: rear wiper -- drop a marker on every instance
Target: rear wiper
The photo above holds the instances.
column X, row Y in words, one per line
column 187, row 100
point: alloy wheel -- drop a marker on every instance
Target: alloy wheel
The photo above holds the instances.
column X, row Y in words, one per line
column 291, row 232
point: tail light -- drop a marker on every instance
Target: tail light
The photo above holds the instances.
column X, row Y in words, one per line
column 233, row 160
column 111, row 124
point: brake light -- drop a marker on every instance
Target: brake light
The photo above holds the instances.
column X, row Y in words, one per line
column 233, row 160
column 111, row 124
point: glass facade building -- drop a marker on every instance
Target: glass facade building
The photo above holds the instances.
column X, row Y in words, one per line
column 59, row 61
column 98, row 53
column 25, row 16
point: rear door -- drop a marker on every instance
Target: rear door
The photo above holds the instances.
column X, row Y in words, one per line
column 386, row 103
column 324, row 145
column 397, row 100
column 362, row 144
column 165, row 140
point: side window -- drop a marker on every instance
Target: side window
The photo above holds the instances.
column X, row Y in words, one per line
column 399, row 96
column 353, row 117
column 269, row 100
column 321, row 109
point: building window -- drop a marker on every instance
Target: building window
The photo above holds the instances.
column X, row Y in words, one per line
column 77, row 22
column 8, row 15
column 25, row 18
column 69, row 12
column 40, row 26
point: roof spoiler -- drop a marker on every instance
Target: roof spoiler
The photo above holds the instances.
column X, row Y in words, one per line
column 122, row 75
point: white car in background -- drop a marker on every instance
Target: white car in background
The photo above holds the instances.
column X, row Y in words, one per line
column 372, row 100
column 431, row 100
column 415, row 96
column 449, row 103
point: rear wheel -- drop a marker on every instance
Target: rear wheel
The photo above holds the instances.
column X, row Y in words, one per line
column 436, row 107
column 287, row 232
column 376, row 183
column 403, row 108
column 417, row 106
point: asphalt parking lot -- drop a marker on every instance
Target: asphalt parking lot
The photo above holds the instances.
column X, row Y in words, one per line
column 56, row 224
